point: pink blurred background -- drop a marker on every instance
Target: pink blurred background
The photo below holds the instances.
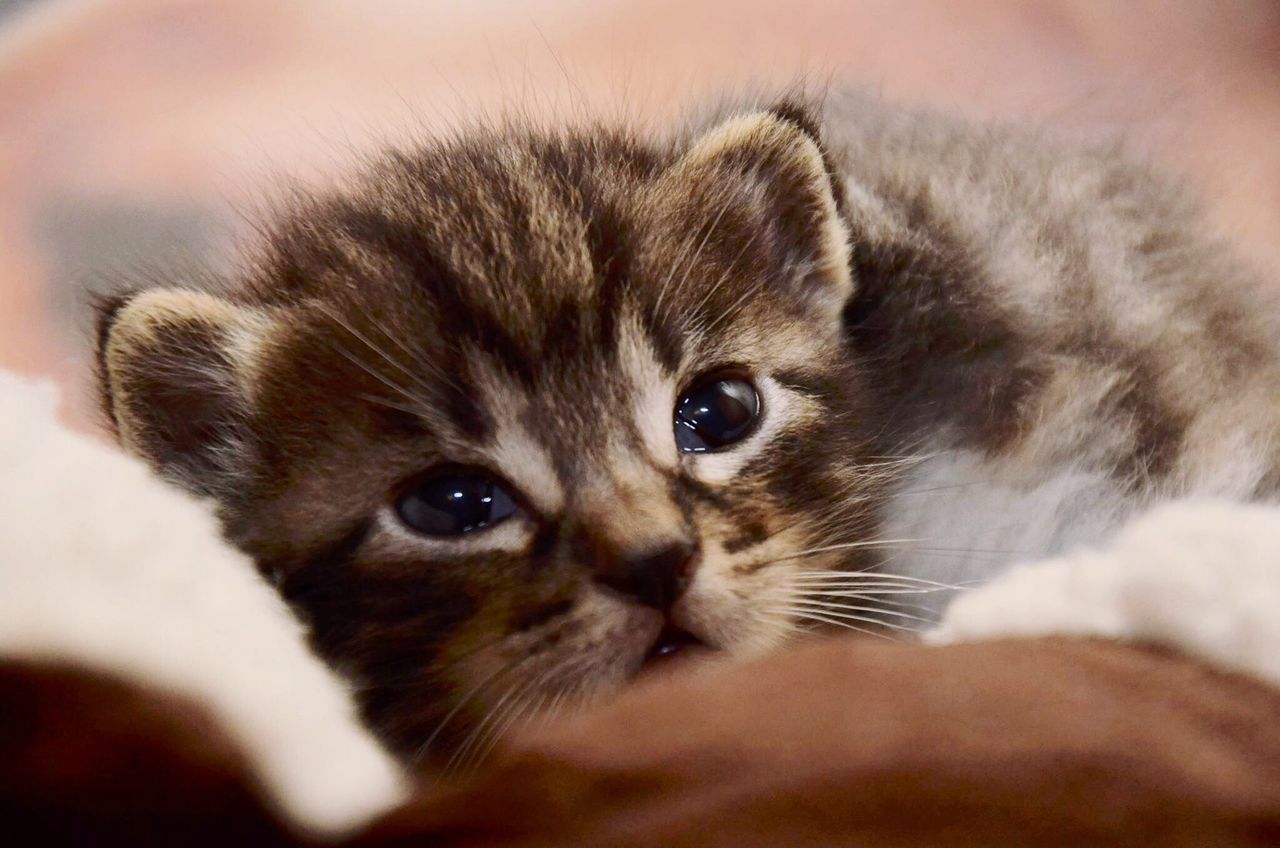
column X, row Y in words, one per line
column 137, row 135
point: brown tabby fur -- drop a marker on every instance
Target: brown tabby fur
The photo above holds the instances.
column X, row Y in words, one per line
column 905, row 290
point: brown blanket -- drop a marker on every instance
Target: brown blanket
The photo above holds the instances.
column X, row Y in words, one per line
column 836, row 743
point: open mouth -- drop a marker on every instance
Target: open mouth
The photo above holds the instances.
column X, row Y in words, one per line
column 672, row 646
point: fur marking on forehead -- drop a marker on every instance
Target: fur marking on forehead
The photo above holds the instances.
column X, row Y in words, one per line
column 652, row 392
column 517, row 452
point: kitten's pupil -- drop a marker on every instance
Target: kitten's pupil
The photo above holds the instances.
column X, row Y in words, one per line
column 452, row 503
column 715, row 414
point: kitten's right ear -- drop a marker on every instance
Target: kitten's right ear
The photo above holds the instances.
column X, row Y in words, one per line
column 177, row 371
column 770, row 166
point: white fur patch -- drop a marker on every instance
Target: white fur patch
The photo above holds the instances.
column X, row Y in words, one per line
column 653, row 407
column 1202, row 577
column 104, row 566
column 520, row 457
column 527, row 464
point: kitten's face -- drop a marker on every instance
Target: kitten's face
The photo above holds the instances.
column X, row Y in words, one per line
column 520, row 415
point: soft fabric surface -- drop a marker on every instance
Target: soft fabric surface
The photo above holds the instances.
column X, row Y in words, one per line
column 874, row 744
column 104, row 566
column 841, row 743
column 150, row 681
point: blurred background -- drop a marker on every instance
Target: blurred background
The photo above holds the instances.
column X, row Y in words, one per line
column 138, row 137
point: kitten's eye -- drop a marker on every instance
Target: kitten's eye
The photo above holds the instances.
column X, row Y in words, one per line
column 716, row 413
column 454, row 502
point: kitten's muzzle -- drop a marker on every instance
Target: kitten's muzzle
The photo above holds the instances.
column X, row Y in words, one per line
column 655, row 578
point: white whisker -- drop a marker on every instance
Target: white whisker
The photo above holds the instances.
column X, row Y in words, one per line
column 801, row 611
column 383, row 379
column 818, row 617
column 870, row 591
column 732, row 308
column 845, row 546
column 425, row 747
column 726, row 276
column 517, row 705
column 460, row 756
column 877, row 599
column 414, row 356
column 871, row 578
column 687, row 266
column 390, row 360
column 860, row 608
column 516, row 712
column 381, row 401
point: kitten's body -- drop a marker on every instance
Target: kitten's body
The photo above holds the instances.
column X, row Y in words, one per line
column 969, row 348
column 1069, row 341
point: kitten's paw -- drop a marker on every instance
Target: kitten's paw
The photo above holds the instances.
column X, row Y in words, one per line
column 1202, row 577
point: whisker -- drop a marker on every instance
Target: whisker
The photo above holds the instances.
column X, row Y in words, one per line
column 847, row 617
column 657, row 304
column 914, row 548
column 460, row 755
column 552, row 711
column 388, row 358
column 381, row 401
column 876, row 598
column 872, row 591
column 487, row 741
column 517, row 706
column 471, row 693
column 524, row 716
column 859, row 608
column 413, row 355
column 864, row 575
column 874, row 580
column 868, row 589
column 808, row 615
column 380, row 377
column 557, row 703
column 947, row 488
column 951, row 554
column 724, row 277
column 836, row 611
column 868, row 543
column 732, row 308
column 863, row 578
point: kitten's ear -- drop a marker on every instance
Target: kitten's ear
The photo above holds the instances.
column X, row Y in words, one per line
column 771, row 165
column 177, row 371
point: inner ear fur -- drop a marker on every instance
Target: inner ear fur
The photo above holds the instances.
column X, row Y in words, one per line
column 774, row 159
column 178, row 371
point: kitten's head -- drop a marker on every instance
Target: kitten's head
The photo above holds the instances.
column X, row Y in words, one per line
column 517, row 414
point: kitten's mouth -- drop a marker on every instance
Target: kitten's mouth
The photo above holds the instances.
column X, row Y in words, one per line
column 672, row 647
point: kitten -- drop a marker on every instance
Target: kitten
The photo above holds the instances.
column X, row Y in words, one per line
column 523, row 412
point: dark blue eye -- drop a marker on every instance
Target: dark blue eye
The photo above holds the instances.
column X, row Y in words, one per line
column 715, row 414
column 454, row 502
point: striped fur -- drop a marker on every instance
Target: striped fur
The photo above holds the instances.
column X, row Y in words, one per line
column 933, row 315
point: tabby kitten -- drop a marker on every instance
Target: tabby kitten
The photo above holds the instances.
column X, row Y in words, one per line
column 518, row 414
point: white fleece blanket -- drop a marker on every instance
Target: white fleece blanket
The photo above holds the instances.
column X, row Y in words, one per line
column 104, row 565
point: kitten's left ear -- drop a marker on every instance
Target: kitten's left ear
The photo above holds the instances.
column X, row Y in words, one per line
column 771, row 166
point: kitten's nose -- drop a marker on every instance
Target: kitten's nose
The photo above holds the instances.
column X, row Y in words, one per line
column 655, row 578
